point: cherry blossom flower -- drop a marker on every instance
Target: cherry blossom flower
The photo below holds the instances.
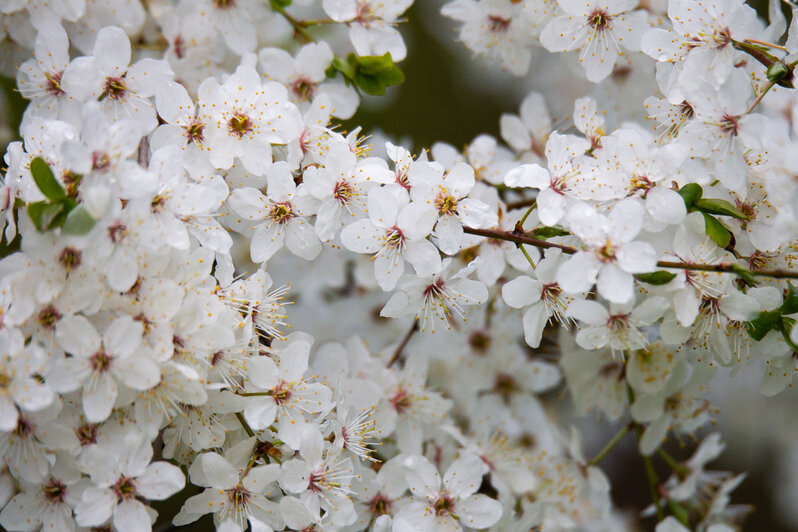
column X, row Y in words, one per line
column 123, row 89
column 598, row 31
column 614, row 255
column 450, row 503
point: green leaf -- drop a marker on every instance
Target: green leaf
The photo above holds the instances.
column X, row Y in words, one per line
column 372, row 74
column 78, row 222
column 745, row 274
column 690, row 194
column 52, row 215
column 763, row 324
column 790, row 305
column 35, row 212
column 370, row 65
column 656, row 278
column 716, row 231
column 719, row 206
column 547, row 231
column 279, row 5
column 45, row 180
column 777, row 71
column 7, row 248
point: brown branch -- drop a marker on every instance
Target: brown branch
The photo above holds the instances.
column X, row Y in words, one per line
column 404, row 343
column 518, row 238
column 724, row 267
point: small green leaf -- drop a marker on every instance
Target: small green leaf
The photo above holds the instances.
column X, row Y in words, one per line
column 549, row 231
column 763, row 324
column 716, row 231
column 78, row 222
column 690, row 194
column 719, row 206
column 51, row 215
column 656, row 278
column 745, row 274
column 777, row 71
column 35, row 212
column 279, row 5
column 790, row 305
column 373, row 73
column 45, row 180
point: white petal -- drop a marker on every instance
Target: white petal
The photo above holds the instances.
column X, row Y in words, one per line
column 112, row 51
column 534, row 321
column 479, row 511
column 99, row 398
column 301, row 239
column 464, row 476
column 132, row 516
column 614, row 284
column 160, row 481
column 123, row 336
column 522, row 291
column 637, row 257
column 77, row 336
column 578, row 274
column 665, row 205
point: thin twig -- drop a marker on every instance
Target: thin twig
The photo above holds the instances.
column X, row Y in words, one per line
column 723, row 267
column 402, row 345
column 298, row 26
column 244, row 424
column 759, row 98
column 607, row 448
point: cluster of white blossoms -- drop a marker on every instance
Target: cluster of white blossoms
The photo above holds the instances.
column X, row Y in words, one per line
column 180, row 170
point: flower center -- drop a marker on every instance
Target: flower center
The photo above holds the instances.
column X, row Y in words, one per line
column 480, row 341
column 343, row 191
column 729, row 125
column 100, row 362
column 436, row 289
column 282, row 212
column 48, row 316
column 115, row 88
column 446, row 204
column 401, row 401
column 722, row 37
column 380, row 505
column 224, row 4
column 606, row 253
column 87, row 433
column 498, row 24
column 100, row 161
column 303, row 89
column 117, row 232
column 642, row 183
column 23, row 428
column 618, row 322
column 281, row 393
column 238, row 496
column 239, row 125
column 54, row 83
column 54, row 491
column 505, row 385
column 70, row 258
column 444, row 504
column 194, row 132
column 125, row 488
column 394, row 239
column 599, row 20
